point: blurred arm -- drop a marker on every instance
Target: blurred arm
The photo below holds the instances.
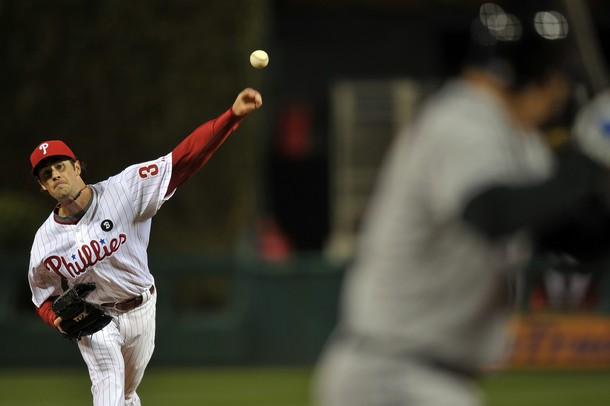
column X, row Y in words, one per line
column 566, row 201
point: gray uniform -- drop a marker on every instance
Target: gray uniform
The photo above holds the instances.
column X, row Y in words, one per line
column 427, row 295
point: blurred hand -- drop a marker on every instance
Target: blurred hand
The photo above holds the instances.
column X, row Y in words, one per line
column 247, row 100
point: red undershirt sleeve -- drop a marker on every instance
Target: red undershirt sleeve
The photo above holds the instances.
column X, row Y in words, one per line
column 196, row 149
column 46, row 313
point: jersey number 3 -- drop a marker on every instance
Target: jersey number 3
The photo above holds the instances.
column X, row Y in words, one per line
column 148, row 171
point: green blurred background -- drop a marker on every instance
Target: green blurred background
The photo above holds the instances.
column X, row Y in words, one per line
column 242, row 254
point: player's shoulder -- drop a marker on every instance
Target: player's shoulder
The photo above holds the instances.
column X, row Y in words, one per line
column 142, row 170
column 459, row 112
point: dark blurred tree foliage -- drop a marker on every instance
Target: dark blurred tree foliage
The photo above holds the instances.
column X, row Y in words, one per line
column 123, row 82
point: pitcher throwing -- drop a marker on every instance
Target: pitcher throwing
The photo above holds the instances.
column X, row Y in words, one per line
column 98, row 234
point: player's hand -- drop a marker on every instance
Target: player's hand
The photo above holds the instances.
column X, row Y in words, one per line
column 247, row 100
column 57, row 323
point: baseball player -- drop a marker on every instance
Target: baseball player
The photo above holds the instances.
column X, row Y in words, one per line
column 465, row 194
column 98, row 233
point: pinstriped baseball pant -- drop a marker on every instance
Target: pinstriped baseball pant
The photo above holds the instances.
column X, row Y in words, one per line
column 117, row 356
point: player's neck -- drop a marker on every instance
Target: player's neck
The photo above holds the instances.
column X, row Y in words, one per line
column 76, row 204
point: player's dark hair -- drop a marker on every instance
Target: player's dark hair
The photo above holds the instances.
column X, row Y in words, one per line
column 522, row 42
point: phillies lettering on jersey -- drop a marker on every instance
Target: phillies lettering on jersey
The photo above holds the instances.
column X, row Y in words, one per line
column 88, row 255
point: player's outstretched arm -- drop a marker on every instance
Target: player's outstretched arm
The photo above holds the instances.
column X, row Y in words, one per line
column 194, row 151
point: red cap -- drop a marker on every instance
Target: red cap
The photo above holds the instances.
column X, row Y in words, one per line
column 48, row 149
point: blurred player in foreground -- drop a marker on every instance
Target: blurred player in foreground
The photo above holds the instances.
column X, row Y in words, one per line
column 99, row 233
column 465, row 194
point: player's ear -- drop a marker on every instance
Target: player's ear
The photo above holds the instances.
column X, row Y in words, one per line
column 42, row 187
column 77, row 167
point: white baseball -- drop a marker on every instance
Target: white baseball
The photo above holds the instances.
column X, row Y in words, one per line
column 259, row 59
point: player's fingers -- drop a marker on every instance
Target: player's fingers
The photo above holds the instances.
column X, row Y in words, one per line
column 57, row 323
column 253, row 103
column 247, row 100
column 248, row 92
column 250, row 95
column 258, row 100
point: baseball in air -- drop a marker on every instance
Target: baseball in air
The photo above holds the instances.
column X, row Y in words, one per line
column 259, row 59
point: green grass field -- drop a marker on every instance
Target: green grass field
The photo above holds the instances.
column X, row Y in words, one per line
column 282, row 387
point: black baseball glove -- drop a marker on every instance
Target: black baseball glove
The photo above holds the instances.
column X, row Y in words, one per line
column 79, row 317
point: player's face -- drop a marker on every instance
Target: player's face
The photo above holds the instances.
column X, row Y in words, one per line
column 538, row 104
column 60, row 178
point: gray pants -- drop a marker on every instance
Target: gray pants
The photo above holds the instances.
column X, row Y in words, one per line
column 347, row 375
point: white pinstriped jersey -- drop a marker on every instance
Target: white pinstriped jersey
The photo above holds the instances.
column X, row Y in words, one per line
column 108, row 244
